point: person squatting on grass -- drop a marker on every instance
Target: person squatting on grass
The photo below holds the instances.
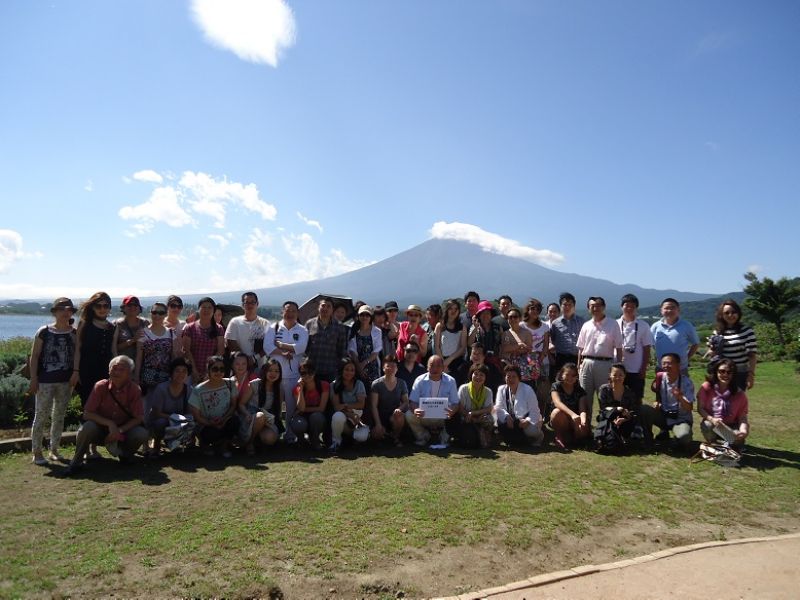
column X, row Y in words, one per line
column 433, row 384
column 113, row 415
column 260, row 408
column 168, row 398
column 311, row 395
column 672, row 409
column 475, row 421
column 569, row 418
column 722, row 403
column 213, row 404
column 349, row 398
column 516, row 411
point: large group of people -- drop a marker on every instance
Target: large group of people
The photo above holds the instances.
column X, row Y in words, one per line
column 473, row 376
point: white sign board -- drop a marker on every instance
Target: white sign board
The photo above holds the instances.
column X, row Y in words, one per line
column 435, row 408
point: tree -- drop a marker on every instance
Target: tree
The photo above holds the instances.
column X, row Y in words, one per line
column 772, row 299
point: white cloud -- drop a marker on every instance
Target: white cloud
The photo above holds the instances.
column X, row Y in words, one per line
column 10, row 249
column 89, row 187
column 126, row 179
column 755, row 269
column 204, row 253
column 491, row 242
column 175, row 258
column 302, row 260
column 309, row 222
column 163, row 206
column 256, row 31
column 208, row 196
column 148, row 176
column 221, row 239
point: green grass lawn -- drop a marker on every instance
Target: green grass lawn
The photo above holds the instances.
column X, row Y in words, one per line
column 370, row 524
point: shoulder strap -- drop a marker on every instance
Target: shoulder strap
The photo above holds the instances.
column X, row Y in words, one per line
column 114, row 397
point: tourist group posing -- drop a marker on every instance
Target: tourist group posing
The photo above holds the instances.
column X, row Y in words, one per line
column 439, row 376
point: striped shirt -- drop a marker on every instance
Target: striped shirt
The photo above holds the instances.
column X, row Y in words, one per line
column 737, row 345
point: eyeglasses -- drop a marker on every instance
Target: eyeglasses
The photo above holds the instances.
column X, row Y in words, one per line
column 103, row 305
column 217, row 369
column 724, row 371
column 159, row 313
column 176, row 305
column 249, row 302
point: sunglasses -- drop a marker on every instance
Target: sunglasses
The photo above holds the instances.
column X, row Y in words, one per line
column 217, row 369
column 724, row 371
column 103, row 305
column 158, row 312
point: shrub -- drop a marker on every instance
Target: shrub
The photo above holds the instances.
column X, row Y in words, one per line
column 769, row 348
column 13, row 401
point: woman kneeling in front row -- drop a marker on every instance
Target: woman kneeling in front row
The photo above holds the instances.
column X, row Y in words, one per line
column 569, row 417
column 213, row 404
column 723, row 406
column 517, row 410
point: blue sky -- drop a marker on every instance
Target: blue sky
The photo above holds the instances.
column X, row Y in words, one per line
column 157, row 147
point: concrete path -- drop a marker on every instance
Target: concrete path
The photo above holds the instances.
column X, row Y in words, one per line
column 754, row 568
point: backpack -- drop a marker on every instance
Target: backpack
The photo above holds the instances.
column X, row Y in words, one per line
column 606, row 435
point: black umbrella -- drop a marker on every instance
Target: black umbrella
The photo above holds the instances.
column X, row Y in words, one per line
column 310, row 306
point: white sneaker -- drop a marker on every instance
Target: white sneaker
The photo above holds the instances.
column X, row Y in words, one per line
column 423, row 441
column 114, row 449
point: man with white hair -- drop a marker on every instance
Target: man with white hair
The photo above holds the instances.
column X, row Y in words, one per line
column 113, row 415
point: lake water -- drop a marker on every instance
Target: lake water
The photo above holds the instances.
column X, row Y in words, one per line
column 21, row 325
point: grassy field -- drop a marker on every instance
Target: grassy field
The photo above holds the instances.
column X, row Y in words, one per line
column 370, row 525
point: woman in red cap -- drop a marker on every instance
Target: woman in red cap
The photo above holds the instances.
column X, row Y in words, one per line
column 130, row 328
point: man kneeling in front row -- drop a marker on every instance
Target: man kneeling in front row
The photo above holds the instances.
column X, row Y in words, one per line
column 113, row 415
column 672, row 410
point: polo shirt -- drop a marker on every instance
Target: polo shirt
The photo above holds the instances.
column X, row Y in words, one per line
column 677, row 338
column 599, row 339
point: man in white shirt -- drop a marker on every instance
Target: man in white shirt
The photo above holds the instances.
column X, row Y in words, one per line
column 245, row 333
column 599, row 342
column 286, row 342
column 637, row 341
column 433, row 384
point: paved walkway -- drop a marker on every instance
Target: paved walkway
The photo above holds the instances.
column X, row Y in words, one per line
column 754, row 568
